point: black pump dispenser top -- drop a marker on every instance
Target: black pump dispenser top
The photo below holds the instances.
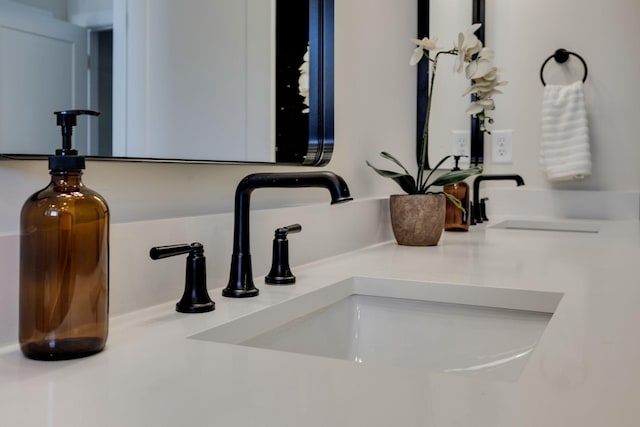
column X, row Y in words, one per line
column 456, row 167
column 67, row 158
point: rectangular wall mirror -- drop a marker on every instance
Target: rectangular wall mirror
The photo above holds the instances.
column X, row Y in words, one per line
column 194, row 80
column 444, row 19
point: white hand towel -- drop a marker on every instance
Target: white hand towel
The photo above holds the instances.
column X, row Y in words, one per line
column 564, row 147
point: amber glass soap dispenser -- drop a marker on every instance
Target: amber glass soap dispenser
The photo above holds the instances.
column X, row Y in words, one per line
column 64, row 260
column 456, row 219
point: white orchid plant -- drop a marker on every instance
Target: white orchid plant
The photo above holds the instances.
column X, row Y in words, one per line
column 477, row 63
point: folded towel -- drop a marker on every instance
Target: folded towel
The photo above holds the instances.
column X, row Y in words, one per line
column 564, row 147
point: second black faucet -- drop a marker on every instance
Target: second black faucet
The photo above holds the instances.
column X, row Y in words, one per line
column 478, row 209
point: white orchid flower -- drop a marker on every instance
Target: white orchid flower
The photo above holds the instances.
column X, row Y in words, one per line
column 424, row 45
column 480, row 106
column 488, row 104
column 484, row 88
column 480, row 69
column 477, row 63
column 486, row 53
column 303, row 81
column 468, row 45
column 474, row 109
column 480, row 89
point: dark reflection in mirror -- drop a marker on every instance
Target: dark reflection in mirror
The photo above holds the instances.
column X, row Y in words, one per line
column 477, row 136
column 104, row 44
column 292, row 80
column 304, row 81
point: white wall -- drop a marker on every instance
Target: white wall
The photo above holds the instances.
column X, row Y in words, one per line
column 375, row 110
column 95, row 13
column 57, row 8
column 605, row 34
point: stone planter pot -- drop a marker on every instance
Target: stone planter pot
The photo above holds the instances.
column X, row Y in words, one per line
column 417, row 219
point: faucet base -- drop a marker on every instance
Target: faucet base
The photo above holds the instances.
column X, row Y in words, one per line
column 240, row 293
column 240, row 278
column 280, row 280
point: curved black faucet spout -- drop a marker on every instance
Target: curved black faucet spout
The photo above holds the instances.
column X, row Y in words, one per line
column 477, row 208
column 241, row 276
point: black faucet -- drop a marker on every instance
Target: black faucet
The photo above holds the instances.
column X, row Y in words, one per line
column 478, row 209
column 241, row 276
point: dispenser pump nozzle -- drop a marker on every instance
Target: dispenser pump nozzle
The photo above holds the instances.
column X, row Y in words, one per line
column 456, row 167
column 67, row 157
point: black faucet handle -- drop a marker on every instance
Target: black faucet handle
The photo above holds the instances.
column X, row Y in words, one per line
column 159, row 252
column 472, row 214
column 280, row 273
column 483, row 208
column 283, row 231
column 195, row 298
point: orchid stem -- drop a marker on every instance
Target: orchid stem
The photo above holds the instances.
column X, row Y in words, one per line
column 425, row 130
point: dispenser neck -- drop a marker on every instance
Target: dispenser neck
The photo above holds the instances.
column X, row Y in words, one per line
column 67, row 132
column 66, row 180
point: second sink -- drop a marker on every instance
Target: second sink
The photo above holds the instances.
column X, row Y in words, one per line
column 576, row 226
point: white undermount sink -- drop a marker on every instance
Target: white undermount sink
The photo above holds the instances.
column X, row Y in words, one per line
column 458, row 329
column 575, row 226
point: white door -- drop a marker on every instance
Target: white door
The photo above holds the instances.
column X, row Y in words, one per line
column 43, row 68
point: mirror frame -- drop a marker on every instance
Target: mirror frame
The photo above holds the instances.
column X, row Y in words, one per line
column 477, row 136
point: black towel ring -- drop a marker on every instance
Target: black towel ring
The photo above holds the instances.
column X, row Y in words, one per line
column 561, row 56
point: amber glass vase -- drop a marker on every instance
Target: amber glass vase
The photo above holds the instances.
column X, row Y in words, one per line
column 456, row 219
column 64, row 270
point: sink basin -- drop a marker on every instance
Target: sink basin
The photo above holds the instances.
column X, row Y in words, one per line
column 456, row 329
column 575, row 226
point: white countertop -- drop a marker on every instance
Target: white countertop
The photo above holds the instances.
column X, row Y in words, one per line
column 585, row 370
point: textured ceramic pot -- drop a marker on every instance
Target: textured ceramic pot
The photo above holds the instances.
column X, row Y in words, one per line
column 417, row 219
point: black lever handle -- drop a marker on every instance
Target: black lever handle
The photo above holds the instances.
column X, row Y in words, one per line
column 283, row 231
column 483, row 208
column 280, row 273
column 195, row 298
column 160, row 252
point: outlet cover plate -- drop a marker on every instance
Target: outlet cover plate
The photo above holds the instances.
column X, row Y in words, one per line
column 461, row 143
column 502, row 146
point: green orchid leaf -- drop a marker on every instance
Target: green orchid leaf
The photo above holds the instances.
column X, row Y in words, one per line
column 405, row 181
column 454, row 177
column 444, row 159
column 383, row 172
column 425, row 185
column 388, row 156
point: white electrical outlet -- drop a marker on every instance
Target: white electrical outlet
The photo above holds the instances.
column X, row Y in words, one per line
column 461, row 140
column 502, row 146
